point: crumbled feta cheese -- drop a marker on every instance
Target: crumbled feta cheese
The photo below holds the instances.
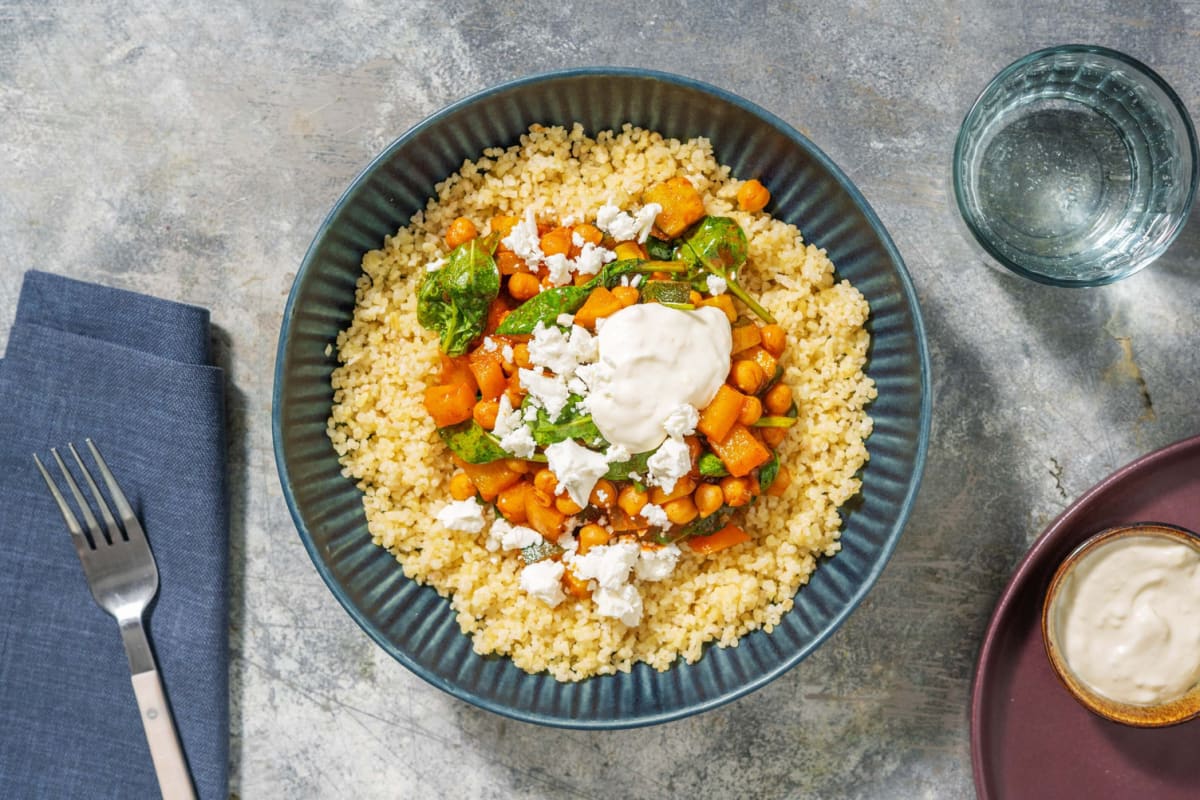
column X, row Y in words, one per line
column 644, row 220
column 524, row 241
column 559, row 269
column 716, row 284
column 566, row 320
column 489, row 344
column 623, row 226
column 548, row 391
column 592, row 257
column 568, row 542
column 516, row 537
column 510, row 428
column 607, row 564
column 616, row 453
column 462, row 515
column 435, row 265
column 655, row 516
column 577, row 240
column 624, row 603
column 656, row 564
column 670, row 462
column 543, row 580
column 681, row 421
column 506, row 353
column 576, row 468
column 560, row 352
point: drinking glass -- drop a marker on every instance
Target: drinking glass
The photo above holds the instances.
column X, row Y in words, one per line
column 1076, row 166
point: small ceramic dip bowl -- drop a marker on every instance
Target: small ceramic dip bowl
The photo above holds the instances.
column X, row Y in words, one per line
column 1121, row 624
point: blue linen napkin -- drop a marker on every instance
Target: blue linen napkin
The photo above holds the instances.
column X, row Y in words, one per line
column 133, row 373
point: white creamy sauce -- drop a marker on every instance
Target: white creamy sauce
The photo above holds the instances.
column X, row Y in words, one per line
column 1129, row 619
column 652, row 360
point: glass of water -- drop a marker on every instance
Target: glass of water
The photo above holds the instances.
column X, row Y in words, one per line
column 1076, row 166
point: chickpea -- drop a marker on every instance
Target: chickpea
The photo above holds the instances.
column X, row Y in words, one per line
column 508, row 262
column 683, row 486
column 626, row 295
column 751, row 410
column 681, row 510
column 556, row 242
column 574, row 586
column 503, row 224
column 694, row 447
column 736, row 491
column 592, row 535
column 778, row 399
column 523, row 286
column 632, row 500
column 773, row 437
column 708, row 497
column 566, row 505
column 462, row 230
column 774, row 339
column 747, row 376
column 604, row 494
column 752, row 196
column 545, row 481
column 511, row 502
column 521, row 355
column 485, row 413
column 461, row 487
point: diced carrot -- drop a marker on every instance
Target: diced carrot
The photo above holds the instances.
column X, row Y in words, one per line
column 723, row 302
column 726, row 537
column 722, row 413
column 600, row 303
column 449, row 404
column 745, row 337
column 681, row 205
column 739, row 451
column 545, row 519
column 489, row 373
column 490, row 478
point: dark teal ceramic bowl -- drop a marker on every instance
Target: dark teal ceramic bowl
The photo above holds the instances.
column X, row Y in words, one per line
column 412, row 622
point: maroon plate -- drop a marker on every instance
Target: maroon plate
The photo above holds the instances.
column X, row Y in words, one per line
column 1029, row 738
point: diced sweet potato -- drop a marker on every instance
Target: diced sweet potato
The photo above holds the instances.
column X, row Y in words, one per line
column 545, row 519
column 575, row 586
column 600, row 303
column 745, row 337
column 456, row 369
column 739, row 451
column 681, row 205
column 488, row 372
column 722, row 413
column 723, row 302
column 491, row 478
column 768, row 362
column 449, row 404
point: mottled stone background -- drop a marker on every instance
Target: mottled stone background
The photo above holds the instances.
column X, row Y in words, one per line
column 191, row 149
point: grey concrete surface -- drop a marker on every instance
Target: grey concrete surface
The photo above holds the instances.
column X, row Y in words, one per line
column 191, row 149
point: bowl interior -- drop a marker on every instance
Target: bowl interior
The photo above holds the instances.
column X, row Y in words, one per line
column 417, row 626
column 1171, row 712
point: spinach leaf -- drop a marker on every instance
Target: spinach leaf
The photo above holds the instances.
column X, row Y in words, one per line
column 572, row 423
column 658, row 249
column 544, row 307
column 472, row 443
column 701, row 526
column 711, row 466
column 767, row 473
column 454, row 300
column 718, row 246
column 619, row 470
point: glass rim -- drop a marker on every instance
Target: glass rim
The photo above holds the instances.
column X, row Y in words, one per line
column 975, row 111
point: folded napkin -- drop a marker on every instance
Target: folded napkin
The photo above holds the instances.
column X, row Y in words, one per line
column 133, row 373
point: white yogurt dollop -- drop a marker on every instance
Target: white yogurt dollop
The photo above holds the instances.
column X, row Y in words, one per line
column 652, row 360
column 1129, row 619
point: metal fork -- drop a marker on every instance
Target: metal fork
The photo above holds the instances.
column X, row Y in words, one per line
column 123, row 577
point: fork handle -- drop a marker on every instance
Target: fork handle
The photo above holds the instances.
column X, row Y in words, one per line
column 169, row 766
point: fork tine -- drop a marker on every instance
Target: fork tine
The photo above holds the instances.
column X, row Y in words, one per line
column 93, row 527
column 132, row 526
column 114, row 533
column 68, row 516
